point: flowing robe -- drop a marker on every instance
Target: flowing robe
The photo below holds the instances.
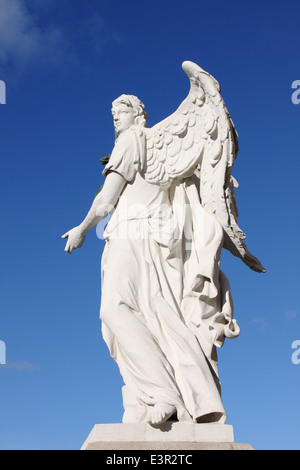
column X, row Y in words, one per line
column 165, row 303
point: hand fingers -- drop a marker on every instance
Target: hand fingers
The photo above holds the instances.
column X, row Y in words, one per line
column 65, row 235
column 67, row 247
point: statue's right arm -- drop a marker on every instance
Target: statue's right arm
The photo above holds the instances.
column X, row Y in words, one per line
column 103, row 204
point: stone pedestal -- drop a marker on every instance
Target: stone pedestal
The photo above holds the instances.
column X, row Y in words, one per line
column 168, row 436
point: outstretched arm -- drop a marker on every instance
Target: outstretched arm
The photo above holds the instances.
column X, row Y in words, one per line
column 103, row 204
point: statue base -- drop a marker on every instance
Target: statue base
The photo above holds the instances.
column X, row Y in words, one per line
column 170, row 435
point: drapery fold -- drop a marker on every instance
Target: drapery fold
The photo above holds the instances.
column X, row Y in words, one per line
column 166, row 305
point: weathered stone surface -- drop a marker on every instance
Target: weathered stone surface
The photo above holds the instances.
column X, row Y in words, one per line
column 167, row 436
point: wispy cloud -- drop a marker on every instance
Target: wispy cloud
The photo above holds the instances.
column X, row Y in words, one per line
column 290, row 315
column 260, row 322
column 95, row 34
column 22, row 40
column 30, row 34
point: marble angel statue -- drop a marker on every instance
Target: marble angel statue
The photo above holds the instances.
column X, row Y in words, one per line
column 166, row 306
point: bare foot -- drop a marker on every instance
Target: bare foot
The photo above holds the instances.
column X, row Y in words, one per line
column 160, row 413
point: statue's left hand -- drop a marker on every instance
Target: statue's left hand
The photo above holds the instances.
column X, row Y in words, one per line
column 75, row 239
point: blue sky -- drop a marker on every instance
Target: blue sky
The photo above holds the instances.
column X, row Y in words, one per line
column 63, row 63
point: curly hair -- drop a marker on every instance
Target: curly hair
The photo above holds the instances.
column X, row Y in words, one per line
column 133, row 102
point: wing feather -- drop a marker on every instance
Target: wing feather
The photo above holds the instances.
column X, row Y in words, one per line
column 200, row 138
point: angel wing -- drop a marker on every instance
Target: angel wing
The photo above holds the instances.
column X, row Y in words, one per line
column 200, row 139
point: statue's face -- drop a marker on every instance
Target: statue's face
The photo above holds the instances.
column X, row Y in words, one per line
column 124, row 117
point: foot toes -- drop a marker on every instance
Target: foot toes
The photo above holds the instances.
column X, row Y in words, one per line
column 160, row 413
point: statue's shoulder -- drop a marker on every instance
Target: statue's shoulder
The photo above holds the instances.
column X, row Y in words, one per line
column 134, row 138
column 134, row 132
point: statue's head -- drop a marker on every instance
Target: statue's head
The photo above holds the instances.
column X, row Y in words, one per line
column 128, row 110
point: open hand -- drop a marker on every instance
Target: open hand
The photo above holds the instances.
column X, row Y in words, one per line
column 75, row 239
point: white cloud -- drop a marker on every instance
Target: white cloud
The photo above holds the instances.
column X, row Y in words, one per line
column 22, row 40
column 28, row 37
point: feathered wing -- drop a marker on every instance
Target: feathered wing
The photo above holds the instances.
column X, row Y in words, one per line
column 200, row 138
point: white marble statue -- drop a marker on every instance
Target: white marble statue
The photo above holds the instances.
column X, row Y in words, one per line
column 166, row 305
